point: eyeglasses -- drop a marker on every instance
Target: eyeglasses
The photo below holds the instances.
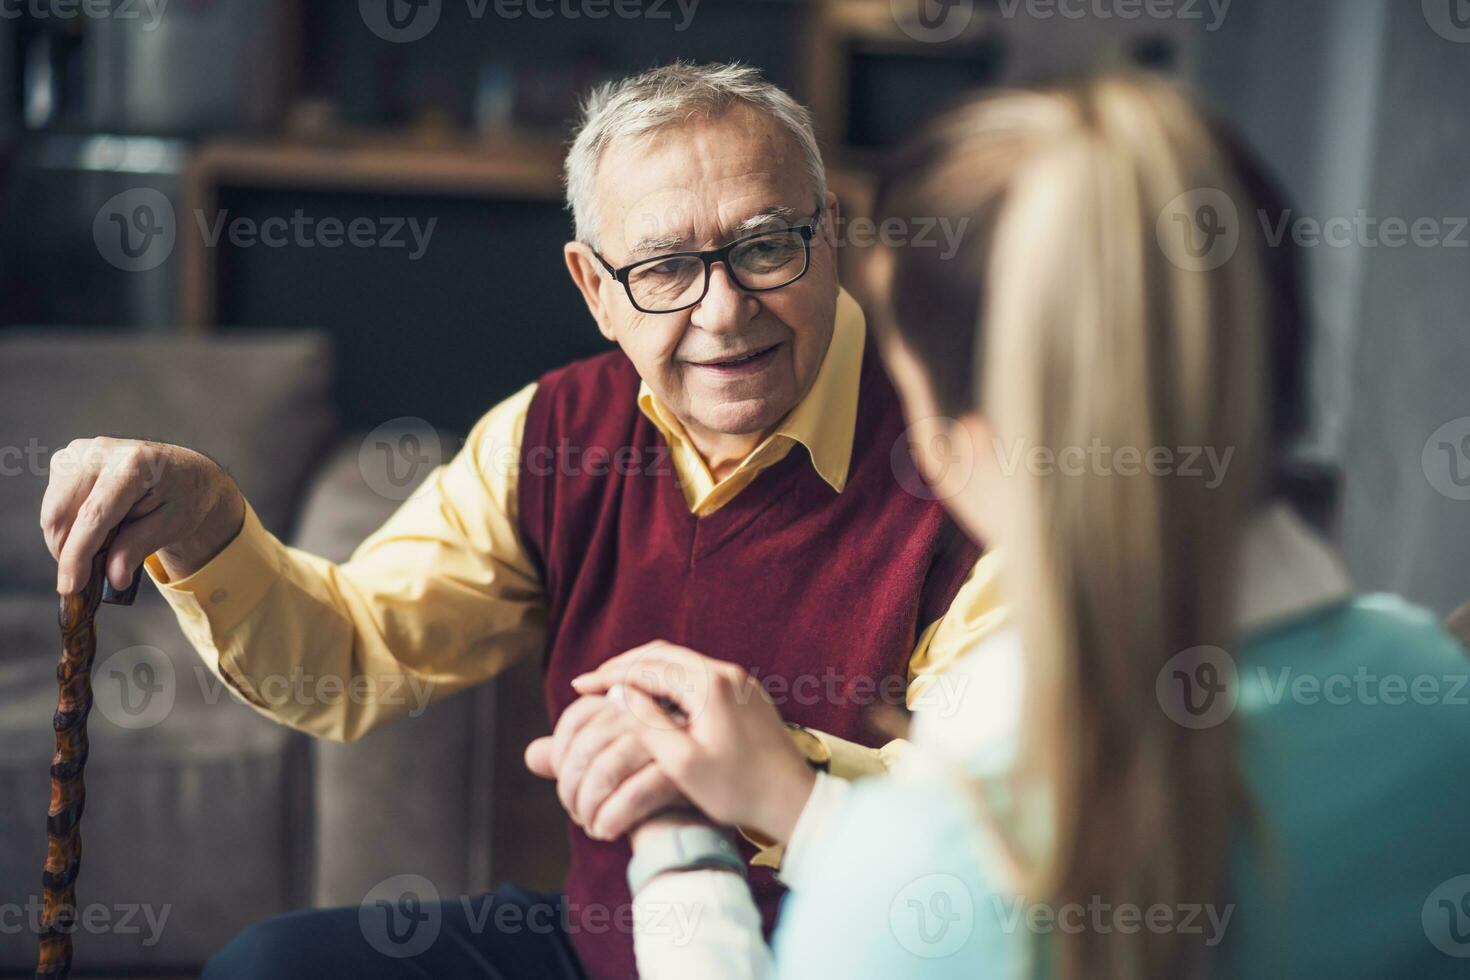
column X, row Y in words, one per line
column 758, row 263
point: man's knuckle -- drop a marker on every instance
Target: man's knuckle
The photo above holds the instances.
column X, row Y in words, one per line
column 89, row 513
column 598, row 786
column 725, row 681
column 132, row 461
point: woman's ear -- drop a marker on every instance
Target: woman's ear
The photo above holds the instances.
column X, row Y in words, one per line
column 977, row 505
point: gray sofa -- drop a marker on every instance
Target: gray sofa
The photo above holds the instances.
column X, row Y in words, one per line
column 214, row 816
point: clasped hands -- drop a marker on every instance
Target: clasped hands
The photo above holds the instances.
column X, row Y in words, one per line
column 664, row 734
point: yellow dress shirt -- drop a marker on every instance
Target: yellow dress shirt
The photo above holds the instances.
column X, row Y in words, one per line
column 443, row 595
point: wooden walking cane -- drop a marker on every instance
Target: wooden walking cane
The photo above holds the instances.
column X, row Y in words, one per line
column 68, row 794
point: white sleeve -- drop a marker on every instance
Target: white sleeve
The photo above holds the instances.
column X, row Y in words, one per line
column 705, row 924
column 699, row 924
column 828, row 794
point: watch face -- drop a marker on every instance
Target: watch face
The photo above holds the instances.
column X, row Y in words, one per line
column 817, row 755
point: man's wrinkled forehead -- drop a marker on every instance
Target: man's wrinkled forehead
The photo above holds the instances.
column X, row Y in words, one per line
column 699, row 184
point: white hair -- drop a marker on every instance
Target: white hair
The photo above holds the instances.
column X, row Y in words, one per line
column 668, row 96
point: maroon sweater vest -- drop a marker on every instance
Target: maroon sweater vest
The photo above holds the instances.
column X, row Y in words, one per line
column 821, row 595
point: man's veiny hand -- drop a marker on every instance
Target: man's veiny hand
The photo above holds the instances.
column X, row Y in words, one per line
column 605, row 778
column 168, row 499
column 713, row 730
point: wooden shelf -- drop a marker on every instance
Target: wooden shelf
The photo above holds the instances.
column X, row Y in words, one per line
column 517, row 165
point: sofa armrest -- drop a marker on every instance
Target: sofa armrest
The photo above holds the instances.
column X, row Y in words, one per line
column 353, row 492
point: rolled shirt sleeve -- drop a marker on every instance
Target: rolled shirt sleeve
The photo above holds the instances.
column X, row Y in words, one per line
column 439, row 598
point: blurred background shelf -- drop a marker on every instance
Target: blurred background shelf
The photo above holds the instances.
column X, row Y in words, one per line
column 508, row 164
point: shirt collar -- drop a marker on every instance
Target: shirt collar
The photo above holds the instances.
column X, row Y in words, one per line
column 824, row 420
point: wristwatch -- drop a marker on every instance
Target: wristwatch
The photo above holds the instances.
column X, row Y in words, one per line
column 682, row 849
column 817, row 755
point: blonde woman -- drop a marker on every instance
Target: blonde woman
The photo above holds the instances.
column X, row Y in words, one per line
column 1196, row 752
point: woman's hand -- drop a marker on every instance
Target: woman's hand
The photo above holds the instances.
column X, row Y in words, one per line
column 713, row 730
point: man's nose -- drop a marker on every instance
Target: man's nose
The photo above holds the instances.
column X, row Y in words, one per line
column 725, row 306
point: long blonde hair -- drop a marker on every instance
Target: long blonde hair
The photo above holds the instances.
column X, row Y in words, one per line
column 1097, row 329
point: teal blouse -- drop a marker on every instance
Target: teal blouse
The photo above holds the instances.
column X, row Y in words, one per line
column 1354, row 727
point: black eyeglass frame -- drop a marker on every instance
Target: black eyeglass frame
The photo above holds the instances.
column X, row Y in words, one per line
column 722, row 254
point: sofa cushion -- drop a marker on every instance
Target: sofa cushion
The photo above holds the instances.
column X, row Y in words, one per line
column 260, row 404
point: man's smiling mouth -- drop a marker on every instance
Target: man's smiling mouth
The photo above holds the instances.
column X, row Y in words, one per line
column 741, row 363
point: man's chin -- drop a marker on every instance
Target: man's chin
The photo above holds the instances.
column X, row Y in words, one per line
column 743, row 417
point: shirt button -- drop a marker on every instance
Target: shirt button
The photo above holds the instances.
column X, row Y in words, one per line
column 218, row 596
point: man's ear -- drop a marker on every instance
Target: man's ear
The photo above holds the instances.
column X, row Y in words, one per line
column 589, row 276
column 832, row 217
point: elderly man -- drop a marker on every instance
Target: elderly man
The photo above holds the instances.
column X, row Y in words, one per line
column 737, row 488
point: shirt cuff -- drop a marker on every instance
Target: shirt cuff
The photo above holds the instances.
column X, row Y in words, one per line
column 828, row 795
column 826, row 754
column 698, row 924
column 215, row 599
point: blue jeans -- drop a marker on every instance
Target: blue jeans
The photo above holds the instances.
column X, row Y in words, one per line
column 508, row 933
